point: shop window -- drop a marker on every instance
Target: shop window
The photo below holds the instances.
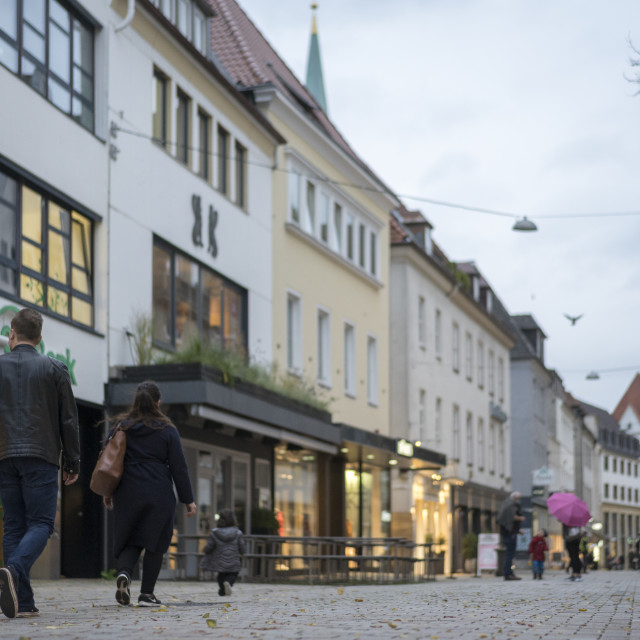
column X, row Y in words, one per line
column 191, row 300
column 367, row 501
column 51, row 49
column 53, row 267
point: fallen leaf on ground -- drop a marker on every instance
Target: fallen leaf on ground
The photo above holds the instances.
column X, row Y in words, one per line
column 211, row 623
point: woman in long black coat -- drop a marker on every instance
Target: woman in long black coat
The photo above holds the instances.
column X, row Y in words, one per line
column 144, row 503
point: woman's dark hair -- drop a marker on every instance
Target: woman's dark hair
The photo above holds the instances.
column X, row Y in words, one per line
column 145, row 409
column 226, row 518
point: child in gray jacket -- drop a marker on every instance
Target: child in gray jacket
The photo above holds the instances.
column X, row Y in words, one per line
column 223, row 550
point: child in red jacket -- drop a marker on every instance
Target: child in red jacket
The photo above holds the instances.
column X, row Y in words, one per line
column 537, row 547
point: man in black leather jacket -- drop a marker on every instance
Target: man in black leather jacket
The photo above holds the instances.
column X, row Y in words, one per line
column 38, row 422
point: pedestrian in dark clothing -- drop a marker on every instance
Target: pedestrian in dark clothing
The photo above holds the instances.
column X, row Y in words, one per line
column 223, row 550
column 509, row 518
column 572, row 536
column 537, row 547
column 38, row 423
column 144, row 504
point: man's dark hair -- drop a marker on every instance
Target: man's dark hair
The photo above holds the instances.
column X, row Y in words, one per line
column 27, row 324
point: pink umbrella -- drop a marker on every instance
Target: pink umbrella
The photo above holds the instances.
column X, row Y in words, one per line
column 569, row 509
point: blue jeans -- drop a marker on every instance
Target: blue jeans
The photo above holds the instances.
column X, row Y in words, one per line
column 29, row 494
column 509, row 541
column 537, row 566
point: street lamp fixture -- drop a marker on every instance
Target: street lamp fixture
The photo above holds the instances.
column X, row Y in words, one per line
column 524, row 225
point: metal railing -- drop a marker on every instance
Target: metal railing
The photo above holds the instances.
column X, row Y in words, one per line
column 318, row 560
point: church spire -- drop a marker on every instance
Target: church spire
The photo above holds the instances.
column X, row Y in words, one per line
column 315, row 81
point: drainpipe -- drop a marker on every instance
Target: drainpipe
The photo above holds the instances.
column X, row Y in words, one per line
column 131, row 9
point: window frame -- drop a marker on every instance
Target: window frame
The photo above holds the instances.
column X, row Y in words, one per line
column 323, row 327
column 222, row 146
column 372, row 370
column 183, row 127
column 241, row 167
column 204, row 144
column 349, row 349
column 294, row 332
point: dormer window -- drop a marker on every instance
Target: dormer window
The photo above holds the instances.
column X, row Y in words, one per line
column 189, row 17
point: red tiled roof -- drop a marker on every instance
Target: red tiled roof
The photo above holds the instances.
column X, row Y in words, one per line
column 397, row 234
column 631, row 398
column 252, row 62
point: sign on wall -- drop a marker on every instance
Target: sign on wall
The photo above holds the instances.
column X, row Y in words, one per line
column 487, row 556
column 543, row 476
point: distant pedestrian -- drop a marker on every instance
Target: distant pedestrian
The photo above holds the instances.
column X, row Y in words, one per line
column 144, row 503
column 223, row 550
column 572, row 536
column 537, row 548
column 509, row 518
column 38, row 423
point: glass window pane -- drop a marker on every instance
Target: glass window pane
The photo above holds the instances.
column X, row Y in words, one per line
column 211, row 309
column 8, row 189
column 58, row 301
column 9, row 19
column 83, row 47
column 58, row 13
column 159, row 109
column 8, row 56
column 81, row 312
column 187, row 280
column 162, row 302
column 8, row 279
column 198, row 31
column 183, row 17
column 32, row 215
column 82, row 113
column 34, row 12
column 31, row 256
column 83, row 83
column 59, row 95
column 81, row 241
column 59, row 218
column 233, row 315
column 34, row 75
column 80, row 280
column 7, row 232
column 59, row 52
column 33, row 42
column 58, row 251
column 31, row 290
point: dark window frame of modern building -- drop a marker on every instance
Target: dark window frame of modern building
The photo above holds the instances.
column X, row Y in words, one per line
column 50, row 284
column 174, row 252
column 78, row 74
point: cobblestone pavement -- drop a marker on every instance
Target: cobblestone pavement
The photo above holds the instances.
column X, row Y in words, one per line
column 603, row 606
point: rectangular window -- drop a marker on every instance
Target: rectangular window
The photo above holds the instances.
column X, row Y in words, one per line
column 182, row 127
column 422, row 414
column 615, row 465
column 438, row 420
column 372, row 370
column 241, row 176
column 468, row 356
column 192, row 301
column 455, row 431
column 310, row 220
column 199, row 37
column 605, row 463
column 46, row 252
column 455, row 347
column 500, row 451
column 615, row 492
column 362, row 232
column 491, row 373
column 438, row 333
column 480, row 365
column 294, row 333
column 492, row 447
column 422, row 322
column 337, row 228
column 606, row 489
column 324, row 217
column 373, row 253
column 159, row 108
column 349, row 360
column 183, row 17
column 223, row 161
column 481, row 444
column 469, row 434
column 324, row 347
column 204, row 131
column 501, row 384
column 350, row 236
column 294, row 197
column 50, row 47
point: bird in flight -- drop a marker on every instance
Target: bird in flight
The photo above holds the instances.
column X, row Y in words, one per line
column 573, row 319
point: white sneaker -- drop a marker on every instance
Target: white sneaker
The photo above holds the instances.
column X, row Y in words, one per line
column 227, row 588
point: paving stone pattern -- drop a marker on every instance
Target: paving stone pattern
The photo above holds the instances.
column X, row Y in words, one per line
column 602, row 606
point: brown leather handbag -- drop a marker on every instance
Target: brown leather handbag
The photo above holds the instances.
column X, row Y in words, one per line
column 108, row 472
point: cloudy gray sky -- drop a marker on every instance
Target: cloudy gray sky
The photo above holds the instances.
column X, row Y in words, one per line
column 512, row 105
